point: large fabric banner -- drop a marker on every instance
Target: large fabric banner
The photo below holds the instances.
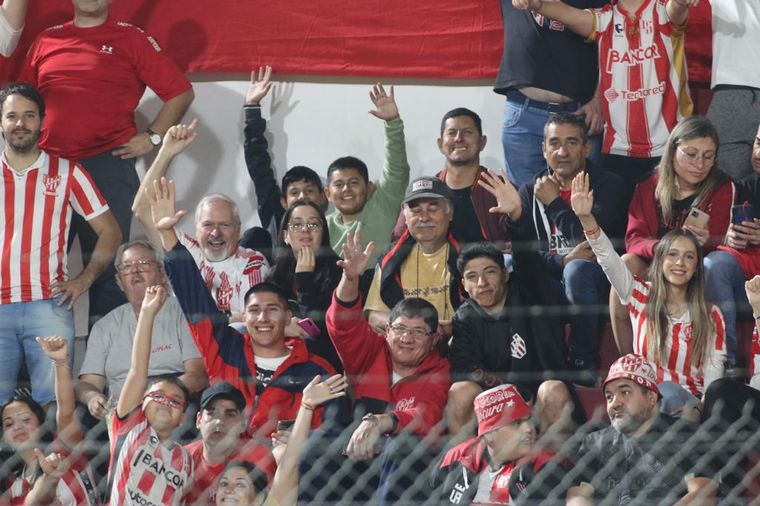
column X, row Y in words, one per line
column 451, row 39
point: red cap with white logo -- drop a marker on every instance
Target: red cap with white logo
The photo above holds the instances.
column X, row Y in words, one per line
column 498, row 407
column 635, row 368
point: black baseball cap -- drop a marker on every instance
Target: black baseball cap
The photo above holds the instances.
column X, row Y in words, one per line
column 225, row 391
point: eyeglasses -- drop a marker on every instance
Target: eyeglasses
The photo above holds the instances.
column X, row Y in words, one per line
column 141, row 265
column 416, row 332
column 166, row 400
column 311, row 226
column 693, row 156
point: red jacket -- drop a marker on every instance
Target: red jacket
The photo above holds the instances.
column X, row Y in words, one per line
column 417, row 401
column 645, row 223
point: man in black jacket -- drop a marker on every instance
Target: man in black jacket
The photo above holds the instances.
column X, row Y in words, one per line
column 498, row 340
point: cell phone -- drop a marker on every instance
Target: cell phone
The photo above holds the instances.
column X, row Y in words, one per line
column 285, row 425
column 741, row 213
column 309, row 326
column 697, row 218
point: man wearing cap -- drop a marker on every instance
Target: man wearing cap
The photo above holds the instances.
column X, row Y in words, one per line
column 422, row 262
column 221, row 423
column 495, row 467
column 644, row 455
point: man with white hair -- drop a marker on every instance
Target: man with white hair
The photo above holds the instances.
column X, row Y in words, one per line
column 228, row 269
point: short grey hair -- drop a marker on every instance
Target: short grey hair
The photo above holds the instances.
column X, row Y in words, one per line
column 217, row 197
column 158, row 256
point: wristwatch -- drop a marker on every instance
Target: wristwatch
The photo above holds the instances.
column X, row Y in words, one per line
column 155, row 139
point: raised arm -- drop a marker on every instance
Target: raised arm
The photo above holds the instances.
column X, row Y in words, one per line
column 678, row 10
column 582, row 201
column 285, row 483
column 176, row 140
column 56, row 348
column 137, row 377
column 255, row 149
column 752, row 288
column 578, row 20
column 354, row 263
column 507, row 197
column 170, row 114
column 53, row 467
column 164, row 217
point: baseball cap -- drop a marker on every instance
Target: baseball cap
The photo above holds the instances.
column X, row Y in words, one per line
column 498, row 407
column 225, row 391
column 635, row 368
column 428, row 187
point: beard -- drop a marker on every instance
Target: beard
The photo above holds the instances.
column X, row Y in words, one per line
column 22, row 146
column 630, row 422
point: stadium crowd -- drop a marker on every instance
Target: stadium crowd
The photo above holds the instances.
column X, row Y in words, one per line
column 391, row 342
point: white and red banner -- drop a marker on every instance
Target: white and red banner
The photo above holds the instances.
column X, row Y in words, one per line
column 450, row 39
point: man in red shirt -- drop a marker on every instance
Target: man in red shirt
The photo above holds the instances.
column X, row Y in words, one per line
column 92, row 72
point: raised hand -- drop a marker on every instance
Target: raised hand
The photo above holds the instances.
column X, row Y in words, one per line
column 507, row 197
column 318, row 392
column 154, row 299
column 305, row 261
column 259, row 86
column 546, row 189
column 53, row 465
column 581, row 198
column 179, row 137
column 162, row 200
column 55, row 347
column 385, row 104
column 355, row 260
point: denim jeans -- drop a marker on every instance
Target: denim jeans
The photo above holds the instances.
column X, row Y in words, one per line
column 20, row 324
column 585, row 289
column 724, row 285
column 521, row 137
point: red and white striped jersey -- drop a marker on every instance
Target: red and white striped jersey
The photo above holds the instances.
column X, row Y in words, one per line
column 643, row 77
column 75, row 488
column 678, row 349
column 228, row 280
column 143, row 470
column 37, row 208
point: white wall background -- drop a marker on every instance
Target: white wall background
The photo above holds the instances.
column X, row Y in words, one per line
column 310, row 122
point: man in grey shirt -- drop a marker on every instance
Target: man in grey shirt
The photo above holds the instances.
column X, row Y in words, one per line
column 106, row 361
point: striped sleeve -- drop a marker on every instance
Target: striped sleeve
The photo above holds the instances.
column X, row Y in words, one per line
column 85, row 197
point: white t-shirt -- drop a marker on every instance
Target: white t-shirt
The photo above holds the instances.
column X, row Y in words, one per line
column 736, row 43
column 8, row 36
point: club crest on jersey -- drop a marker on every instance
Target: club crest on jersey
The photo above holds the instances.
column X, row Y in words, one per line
column 255, row 263
column 51, row 184
column 517, row 347
column 106, row 49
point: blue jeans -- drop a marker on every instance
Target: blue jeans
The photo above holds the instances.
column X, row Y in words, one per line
column 521, row 137
column 586, row 289
column 20, row 324
column 724, row 285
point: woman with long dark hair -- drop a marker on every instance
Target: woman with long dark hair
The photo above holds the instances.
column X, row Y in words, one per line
column 674, row 326
column 306, row 267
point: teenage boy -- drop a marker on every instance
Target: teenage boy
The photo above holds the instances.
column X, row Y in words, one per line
column 147, row 466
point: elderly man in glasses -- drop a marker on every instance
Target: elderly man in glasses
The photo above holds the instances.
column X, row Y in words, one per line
column 105, row 363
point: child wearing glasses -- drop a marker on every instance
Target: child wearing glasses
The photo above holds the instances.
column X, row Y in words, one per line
column 147, row 466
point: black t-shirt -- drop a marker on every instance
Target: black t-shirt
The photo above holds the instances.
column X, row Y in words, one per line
column 465, row 226
column 545, row 54
column 681, row 210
